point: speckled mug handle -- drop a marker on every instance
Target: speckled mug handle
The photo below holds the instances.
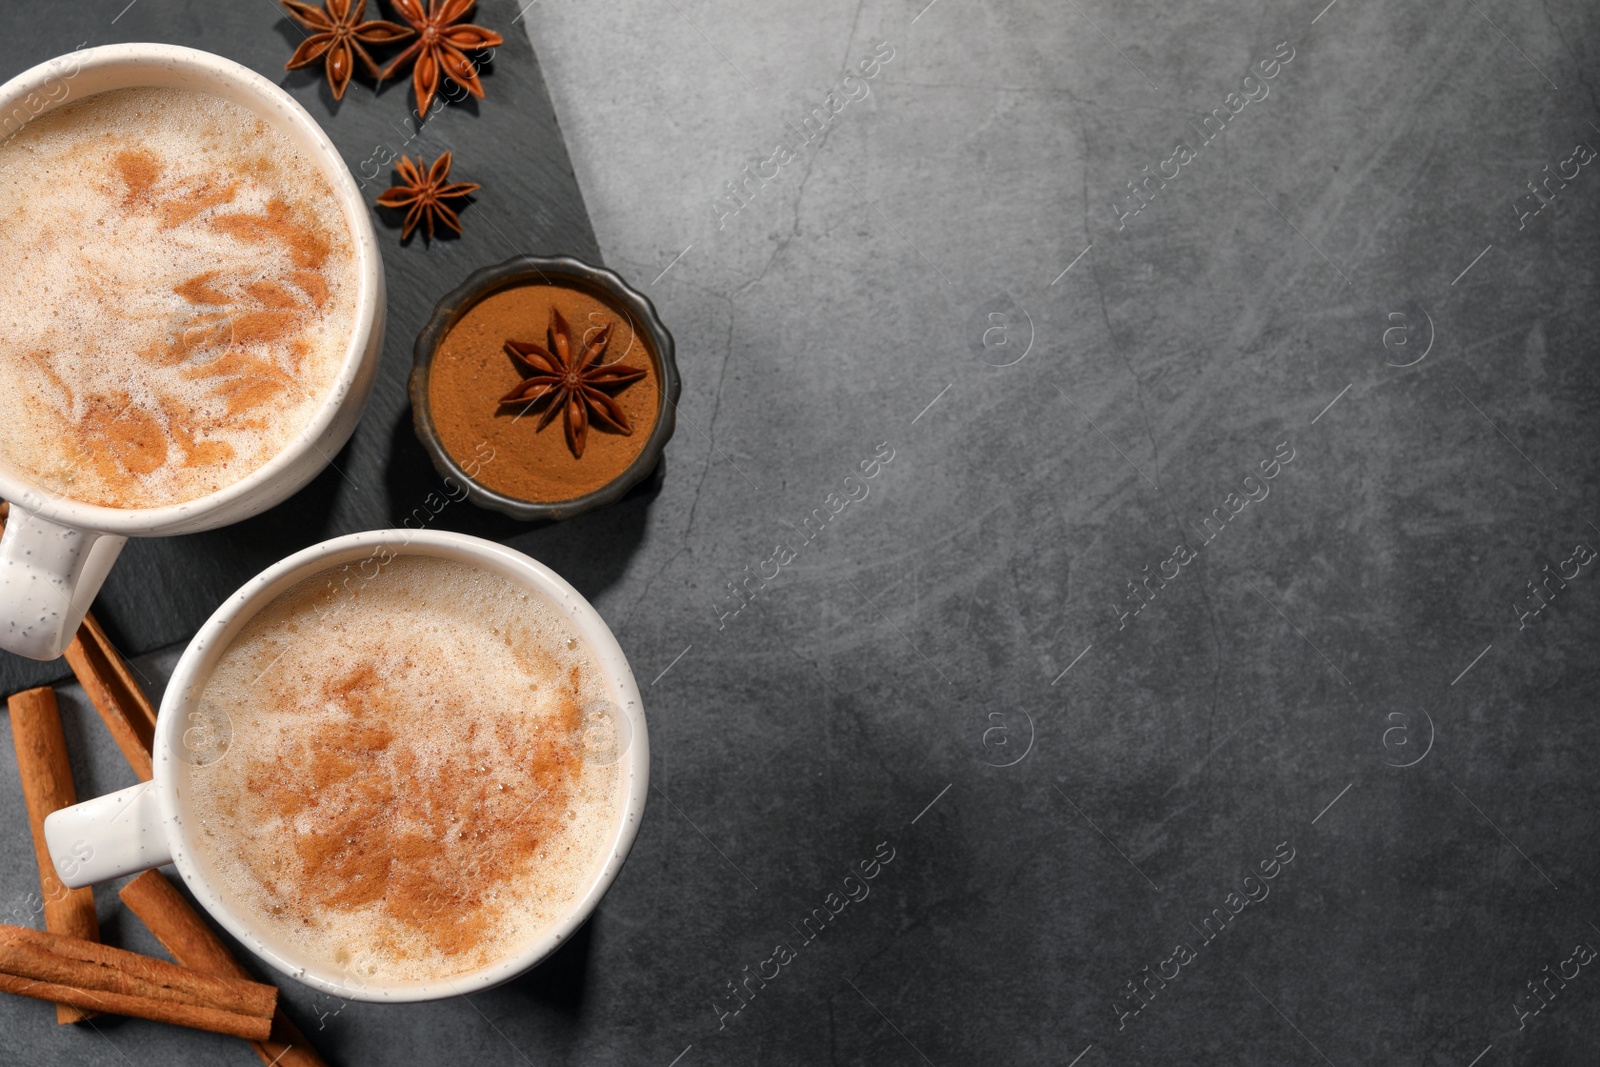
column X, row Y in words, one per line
column 49, row 575
column 107, row 837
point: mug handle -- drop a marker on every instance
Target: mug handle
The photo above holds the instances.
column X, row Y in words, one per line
column 49, row 575
column 107, row 837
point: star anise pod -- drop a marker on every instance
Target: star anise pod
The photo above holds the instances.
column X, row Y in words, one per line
column 339, row 35
column 441, row 48
column 424, row 193
column 574, row 381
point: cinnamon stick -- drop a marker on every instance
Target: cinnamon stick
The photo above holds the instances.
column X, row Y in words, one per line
column 94, row 1002
column 192, row 943
column 47, row 787
column 93, row 977
column 112, row 690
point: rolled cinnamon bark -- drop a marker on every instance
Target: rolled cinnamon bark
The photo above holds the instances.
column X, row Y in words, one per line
column 46, row 787
column 192, row 943
column 110, row 686
column 98, row 977
column 93, row 1002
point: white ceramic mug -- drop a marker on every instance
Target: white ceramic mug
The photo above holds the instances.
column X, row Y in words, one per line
column 149, row 825
column 56, row 551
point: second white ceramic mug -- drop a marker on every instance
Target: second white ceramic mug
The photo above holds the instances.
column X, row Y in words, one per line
column 57, row 551
column 149, row 825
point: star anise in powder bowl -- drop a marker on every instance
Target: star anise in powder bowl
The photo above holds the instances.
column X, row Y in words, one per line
column 574, row 382
column 441, row 48
column 423, row 193
column 337, row 40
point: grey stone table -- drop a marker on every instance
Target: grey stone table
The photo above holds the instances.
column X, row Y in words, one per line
column 1214, row 655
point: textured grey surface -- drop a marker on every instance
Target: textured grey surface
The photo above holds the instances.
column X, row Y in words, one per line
column 1366, row 614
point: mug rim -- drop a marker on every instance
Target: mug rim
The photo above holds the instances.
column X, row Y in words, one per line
column 199, row 659
column 288, row 116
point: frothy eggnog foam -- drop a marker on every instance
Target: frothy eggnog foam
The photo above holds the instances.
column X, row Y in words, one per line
column 180, row 293
column 404, row 777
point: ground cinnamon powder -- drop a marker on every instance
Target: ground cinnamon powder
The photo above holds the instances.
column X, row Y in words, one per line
column 401, row 846
column 124, row 441
column 471, row 372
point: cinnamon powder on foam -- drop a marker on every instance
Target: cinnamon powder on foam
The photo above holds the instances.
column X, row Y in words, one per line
column 406, row 794
column 184, row 296
column 471, row 372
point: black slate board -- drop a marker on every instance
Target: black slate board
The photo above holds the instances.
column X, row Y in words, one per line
column 162, row 589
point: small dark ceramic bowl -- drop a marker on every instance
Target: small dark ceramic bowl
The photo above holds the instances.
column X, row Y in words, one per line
column 603, row 285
